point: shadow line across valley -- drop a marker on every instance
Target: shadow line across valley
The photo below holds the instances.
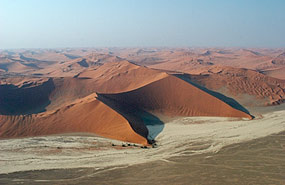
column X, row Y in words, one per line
column 141, row 121
column 230, row 101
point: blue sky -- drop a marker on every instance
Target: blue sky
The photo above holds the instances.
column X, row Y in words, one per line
column 142, row 23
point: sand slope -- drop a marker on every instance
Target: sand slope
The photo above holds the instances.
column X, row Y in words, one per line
column 128, row 94
column 172, row 96
column 24, row 96
column 122, row 76
column 238, row 82
column 84, row 115
column 113, row 77
column 276, row 73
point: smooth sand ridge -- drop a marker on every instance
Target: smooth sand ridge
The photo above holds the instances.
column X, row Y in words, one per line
column 109, row 78
column 84, row 115
column 55, row 94
column 148, row 90
column 112, row 77
column 175, row 97
column 115, row 77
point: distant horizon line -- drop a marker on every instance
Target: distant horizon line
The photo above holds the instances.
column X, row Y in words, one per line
column 129, row 47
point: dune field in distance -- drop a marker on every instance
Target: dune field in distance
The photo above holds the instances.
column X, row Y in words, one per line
column 108, row 109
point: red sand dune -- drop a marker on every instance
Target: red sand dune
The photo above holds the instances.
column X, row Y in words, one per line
column 15, row 66
column 174, row 97
column 185, row 59
column 70, row 68
column 223, row 70
column 238, row 82
column 121, row 76
column 276, row 73
column 24, row 96
column 84, row 115
column 64, row 99
column 147, row 89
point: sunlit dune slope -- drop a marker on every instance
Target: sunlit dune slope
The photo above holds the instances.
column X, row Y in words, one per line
column 174, row 97
column 239, row 82
column 276, row 73
column 121, row 76
column 84, row 115
column 113, row 77
column 126, row 93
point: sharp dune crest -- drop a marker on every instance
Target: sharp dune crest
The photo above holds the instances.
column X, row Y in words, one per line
column 163, row 97
column 101, row 92
column 84, row 115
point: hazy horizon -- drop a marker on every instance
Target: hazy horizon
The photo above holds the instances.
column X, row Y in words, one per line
column 129, row 23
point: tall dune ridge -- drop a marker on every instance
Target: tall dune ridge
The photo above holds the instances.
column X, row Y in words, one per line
column 113, row 77
column 241, row 74
column 109, row 100
column 47, row 100
column 84, row 115
column 163, row 97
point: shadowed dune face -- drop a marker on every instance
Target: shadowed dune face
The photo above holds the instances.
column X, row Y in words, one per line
column 84, row 115
column 128, row 116
column 142, row 122
column 230, row 101
column 25, row 99
column 114, row 77
column 129, row 97
column 174, row 97
column 239, row 82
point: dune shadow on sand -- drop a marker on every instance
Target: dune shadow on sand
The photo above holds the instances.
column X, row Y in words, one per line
column 25, row 100
column 230, row 101
column 141, row 121
column 153, row 124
